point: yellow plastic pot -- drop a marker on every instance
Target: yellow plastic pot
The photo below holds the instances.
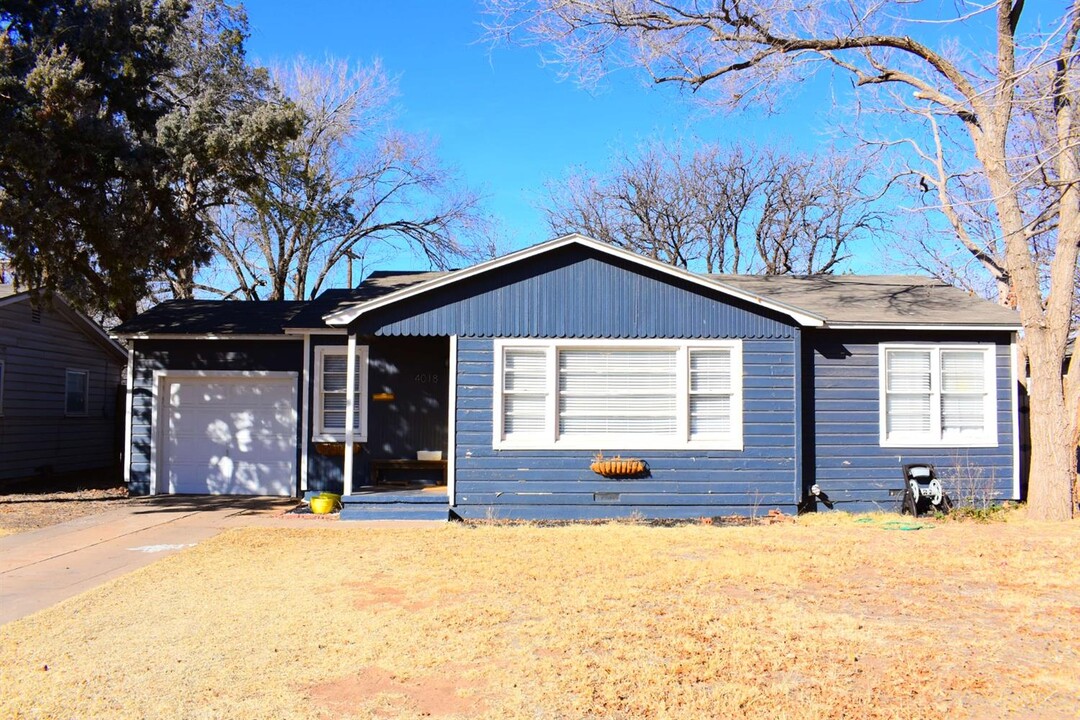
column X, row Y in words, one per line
column 322, row 505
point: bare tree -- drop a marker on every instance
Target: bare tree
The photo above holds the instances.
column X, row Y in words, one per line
column 723, row 210
column 975, row 100
column 348, row 187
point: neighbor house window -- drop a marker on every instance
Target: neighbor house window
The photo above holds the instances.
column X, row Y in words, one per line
column 330, row 397
column 634, row 395
column 76, row 392
column 938, row 395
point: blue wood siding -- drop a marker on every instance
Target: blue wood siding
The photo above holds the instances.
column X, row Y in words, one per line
column 841, row 401
column 576, row 293
column 37, row 437
column 151, row 355
column 690, row 483
column 416, row 371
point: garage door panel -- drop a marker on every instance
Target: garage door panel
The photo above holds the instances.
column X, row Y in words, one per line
column 233, row 436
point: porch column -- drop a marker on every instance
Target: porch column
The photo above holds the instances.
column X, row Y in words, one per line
column 350, row 400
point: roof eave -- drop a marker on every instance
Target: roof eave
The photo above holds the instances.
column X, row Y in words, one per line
column 996, row 327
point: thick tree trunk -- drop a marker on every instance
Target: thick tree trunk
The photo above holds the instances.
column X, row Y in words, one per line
column 1053, row 452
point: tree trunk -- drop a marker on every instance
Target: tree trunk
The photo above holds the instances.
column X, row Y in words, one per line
column 1053, row 454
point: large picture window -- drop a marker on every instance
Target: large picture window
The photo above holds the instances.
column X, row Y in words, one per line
column 330, row 397
column 938, row 395
column 602, row 394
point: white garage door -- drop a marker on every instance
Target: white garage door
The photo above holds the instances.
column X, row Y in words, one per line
column 229, row 435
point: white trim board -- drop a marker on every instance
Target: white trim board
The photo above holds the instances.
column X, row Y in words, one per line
column 347, row 315
column 1014, row 392
column 920, row 326
column 127, row 420
column 205, row 336
column 451, row 425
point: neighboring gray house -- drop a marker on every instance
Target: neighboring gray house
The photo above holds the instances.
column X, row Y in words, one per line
column 739, row 393
column 59, row 378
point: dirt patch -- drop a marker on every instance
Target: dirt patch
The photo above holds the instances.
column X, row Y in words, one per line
column 384, row 694
column 22, row 512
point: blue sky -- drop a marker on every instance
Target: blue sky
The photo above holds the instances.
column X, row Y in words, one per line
column 500, row 117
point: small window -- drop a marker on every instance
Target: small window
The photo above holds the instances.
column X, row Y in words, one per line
column 76, row 392
column 331, row 371
column 938, row 395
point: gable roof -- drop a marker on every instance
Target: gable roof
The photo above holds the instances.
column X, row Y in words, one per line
column 879, row 301
column 212, row 317
column 8, row 296
column 836, row 301
column 344, row 315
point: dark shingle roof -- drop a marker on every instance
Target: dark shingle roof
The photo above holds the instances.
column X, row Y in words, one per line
column 212, row 317
column 377, row 284
column 900, row 300
column 875, row 299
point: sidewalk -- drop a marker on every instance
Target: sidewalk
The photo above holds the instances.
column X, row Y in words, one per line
column 40, row 568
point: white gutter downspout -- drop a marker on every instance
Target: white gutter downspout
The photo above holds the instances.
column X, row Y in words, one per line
column 350, row 399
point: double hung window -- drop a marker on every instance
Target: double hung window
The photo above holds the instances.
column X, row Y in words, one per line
column 938, row 395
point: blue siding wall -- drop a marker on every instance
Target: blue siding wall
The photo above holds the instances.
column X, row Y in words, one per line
column 841, row 405
column 692, row 483
column 576, row 293
column 151, row 355
column 416, row 372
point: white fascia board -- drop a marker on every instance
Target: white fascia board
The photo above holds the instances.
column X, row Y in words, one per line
column 919, row 326
column 315, row 331
column 346, row 315
column 204, row 336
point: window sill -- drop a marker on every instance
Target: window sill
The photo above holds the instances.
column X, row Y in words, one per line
column 326, row 438
column 620, row 444
column 917, row 443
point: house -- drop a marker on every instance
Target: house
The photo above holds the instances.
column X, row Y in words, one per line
column 60, row 378
column 740, row 393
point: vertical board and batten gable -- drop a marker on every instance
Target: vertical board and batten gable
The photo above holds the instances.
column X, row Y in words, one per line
column 201, row 355
column 36, row 435
column 575, row 292
column 578, row 293
column 408, row 389
column 841, row 405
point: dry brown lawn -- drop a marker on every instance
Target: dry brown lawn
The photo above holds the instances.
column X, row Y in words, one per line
column 816, row 620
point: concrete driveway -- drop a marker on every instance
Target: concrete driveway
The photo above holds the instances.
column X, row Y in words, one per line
column 40, row 568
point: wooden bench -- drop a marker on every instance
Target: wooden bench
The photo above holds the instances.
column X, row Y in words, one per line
column 378, row 467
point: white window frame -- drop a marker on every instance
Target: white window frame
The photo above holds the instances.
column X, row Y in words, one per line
column 324, row 434
column 549, row 440
column 933, row 438
column 86, row 392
